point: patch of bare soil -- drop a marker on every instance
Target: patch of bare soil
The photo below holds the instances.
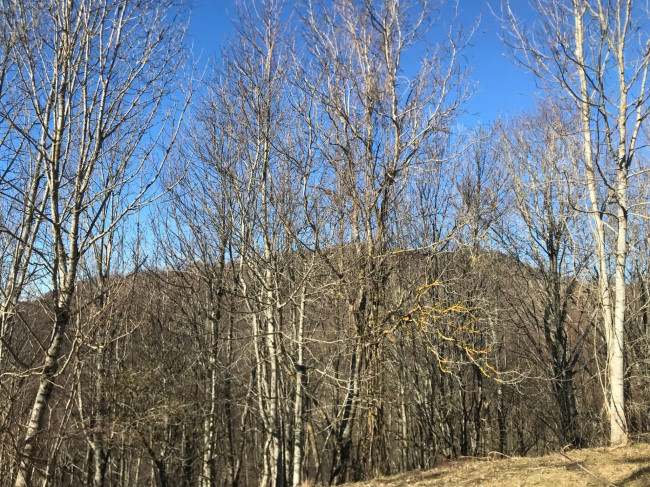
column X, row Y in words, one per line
column 627, row 466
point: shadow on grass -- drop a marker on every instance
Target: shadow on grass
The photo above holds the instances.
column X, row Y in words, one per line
column 407, row 479
column 641, row 478
column 637, row 459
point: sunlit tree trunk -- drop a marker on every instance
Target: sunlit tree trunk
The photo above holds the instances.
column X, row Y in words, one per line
column 86, row 98
column 597, row 53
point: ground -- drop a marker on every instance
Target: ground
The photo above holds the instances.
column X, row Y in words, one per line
column 627, row 466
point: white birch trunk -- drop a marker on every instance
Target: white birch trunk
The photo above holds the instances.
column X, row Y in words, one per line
column 613, row 317
column 301, row 372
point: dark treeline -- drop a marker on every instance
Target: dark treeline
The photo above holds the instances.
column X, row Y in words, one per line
column 302, row 269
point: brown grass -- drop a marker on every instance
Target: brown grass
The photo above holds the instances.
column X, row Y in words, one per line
column 626, row 466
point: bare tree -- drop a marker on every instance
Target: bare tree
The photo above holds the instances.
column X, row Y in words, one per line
column 22, row 192
column 94, row 76
column 253, row 143
column 382, row 126
column 195, row 235
column 597, row 54
column 543, row 234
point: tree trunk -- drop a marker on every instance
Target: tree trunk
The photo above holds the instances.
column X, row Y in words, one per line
column 39, row 409
column 301, row 382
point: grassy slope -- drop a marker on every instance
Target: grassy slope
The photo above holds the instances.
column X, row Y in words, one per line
column 628, row 466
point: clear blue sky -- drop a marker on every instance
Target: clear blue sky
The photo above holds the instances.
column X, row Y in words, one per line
column 503, row 88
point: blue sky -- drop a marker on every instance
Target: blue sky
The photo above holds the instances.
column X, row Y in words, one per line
column 502, row 88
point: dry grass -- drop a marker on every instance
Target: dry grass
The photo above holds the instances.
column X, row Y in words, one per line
column 627, row 466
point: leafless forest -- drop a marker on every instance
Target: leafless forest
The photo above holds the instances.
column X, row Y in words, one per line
column 299, row 265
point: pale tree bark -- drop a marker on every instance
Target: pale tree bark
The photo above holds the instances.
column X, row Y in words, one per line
column 250, row 99
column 597, row 53
column 20, row 251
column 209, row 426
column 22, row 192
column 301, row 379
column 252, row 177
column 614, row 366
column 105, row 296
column 93, row 107
column 380, row 132
column 202, row 240
column 21, row 219
column 540, row 155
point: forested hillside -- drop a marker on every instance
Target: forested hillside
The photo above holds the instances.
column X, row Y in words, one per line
column 300, row 265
